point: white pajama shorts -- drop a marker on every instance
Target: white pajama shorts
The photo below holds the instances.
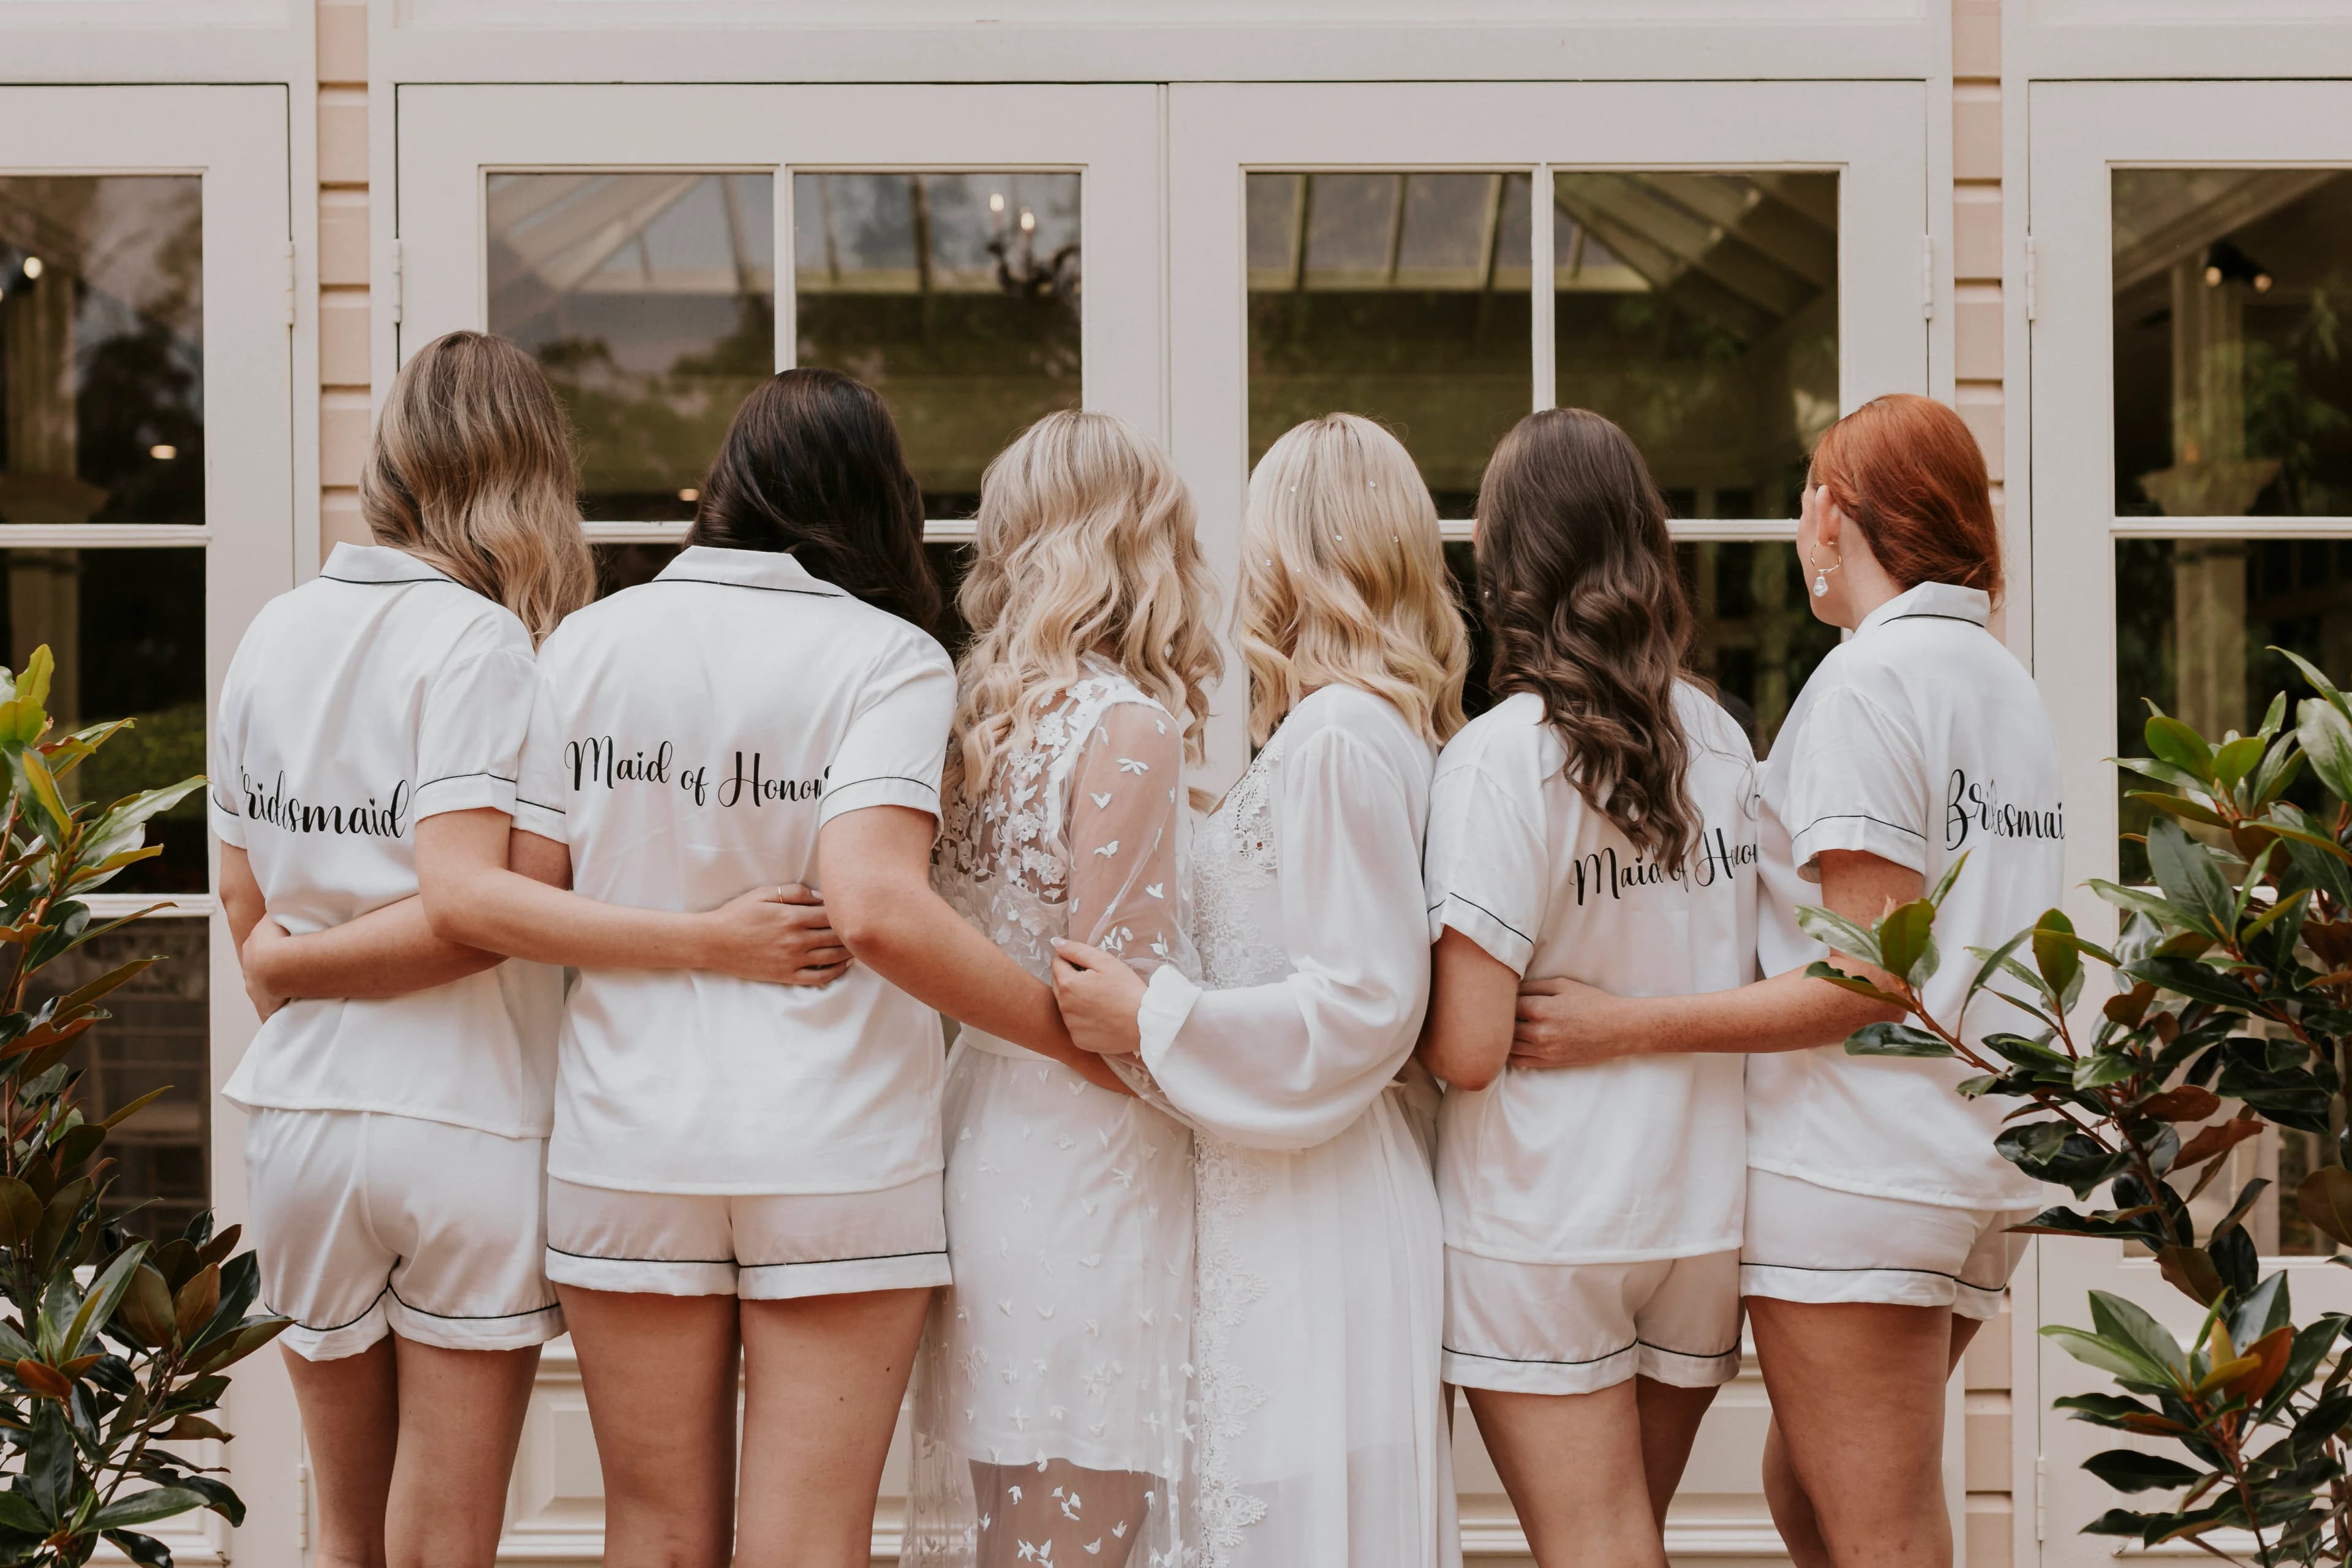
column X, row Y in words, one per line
column 1579, row 1328
column 1809, row 1243
column 367, row 1223
column 767, row 1247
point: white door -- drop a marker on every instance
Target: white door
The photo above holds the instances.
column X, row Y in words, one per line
column 146, row 512
column 1721, row 268
column 2192, row 491
column 981, row 255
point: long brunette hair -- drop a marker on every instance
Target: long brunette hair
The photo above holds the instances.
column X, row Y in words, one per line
column 812, row 466
column 471, row 471
column 1589, row 614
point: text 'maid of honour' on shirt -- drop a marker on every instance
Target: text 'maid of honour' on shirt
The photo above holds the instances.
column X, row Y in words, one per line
column 707, row 724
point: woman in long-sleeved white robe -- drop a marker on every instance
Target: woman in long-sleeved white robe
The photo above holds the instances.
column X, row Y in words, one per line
column 1320, row 1436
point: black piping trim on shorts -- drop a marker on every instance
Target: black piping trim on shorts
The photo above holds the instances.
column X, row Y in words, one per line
column 470, row 1317
column 801, row 1263
column 1595, row 1360
column 1862, row 816
column 1877, row 1269
column 313, row 1328
column 1452, row 897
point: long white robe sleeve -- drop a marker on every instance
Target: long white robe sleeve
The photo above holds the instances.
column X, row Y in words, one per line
column 1290, row 1063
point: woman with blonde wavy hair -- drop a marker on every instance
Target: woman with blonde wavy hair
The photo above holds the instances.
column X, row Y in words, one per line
column 369, row 736
column 1050, row 1397
column 1322, row 1440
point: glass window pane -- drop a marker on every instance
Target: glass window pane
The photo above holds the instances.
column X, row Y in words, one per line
column 651, row 300
column 1757, row 642
column 2195, row 621
column 956, row 296
column 102, row 348
column 127, row 628
column 1700, row 311
column 1401, row 296
column 158, row 1038
column 2233, row 391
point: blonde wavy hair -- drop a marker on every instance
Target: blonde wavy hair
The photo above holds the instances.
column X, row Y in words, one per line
column 472, row 471
column 1343, row 580
column 1084, row 545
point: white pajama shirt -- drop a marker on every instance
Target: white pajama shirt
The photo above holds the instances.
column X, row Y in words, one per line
column 396, row 1144
column 1920, row 740
column 1592, row 1214
column 707, row 724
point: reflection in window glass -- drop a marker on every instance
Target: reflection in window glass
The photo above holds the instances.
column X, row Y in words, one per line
column 102, row 348
column 1401, row 296
column 955, row 296
column 2195, row 621
column 651, row 300
column 1758, row 641
column 1700, row 311
column 127, row 629
column 156, row 1038
column 2234, row 387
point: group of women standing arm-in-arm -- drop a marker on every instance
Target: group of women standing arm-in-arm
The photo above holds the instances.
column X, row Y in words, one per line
column 1198, row 1243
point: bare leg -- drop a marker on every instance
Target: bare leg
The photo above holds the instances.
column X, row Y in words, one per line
column 1094, row 1516
column 351, row 1422
column 461, row 1416
column 1670, row 1417
column 1855, row 1464
column 1573, row 1466
column 659, row 1374
column 824, row 1378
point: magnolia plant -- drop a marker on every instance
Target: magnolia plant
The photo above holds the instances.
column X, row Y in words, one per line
column 114, row 1348
column 2230, row 1011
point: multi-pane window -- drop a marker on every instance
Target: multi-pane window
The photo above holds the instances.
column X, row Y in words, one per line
column 102, row 530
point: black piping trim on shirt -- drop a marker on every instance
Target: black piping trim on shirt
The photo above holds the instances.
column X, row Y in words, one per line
column 1862, row 816
column 471, row 1317
column 799, row 1263
column 1483, row 909
column 526, row 800
column 452, row 778
column 1594, row 1361
column 882, row 778
column 758, row 587
column 1931, row 615
column 389, row 582
column 1874, row 1269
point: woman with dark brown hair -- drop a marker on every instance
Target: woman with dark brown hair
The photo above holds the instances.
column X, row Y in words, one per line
column 1597, row 823
column 1877, row 1234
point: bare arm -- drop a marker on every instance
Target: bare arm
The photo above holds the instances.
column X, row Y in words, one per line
column 1474, row 998
column 471, row 897
column 1563, row 1023
column 389, row 951
column 875, row 867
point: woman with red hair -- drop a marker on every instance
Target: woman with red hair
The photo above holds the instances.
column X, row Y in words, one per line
column 1877, row 1236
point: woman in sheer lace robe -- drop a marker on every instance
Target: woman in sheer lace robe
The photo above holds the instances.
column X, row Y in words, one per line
column 1322, row 1440
column 1051, row 1388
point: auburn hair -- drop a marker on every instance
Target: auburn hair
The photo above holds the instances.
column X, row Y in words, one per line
column 1906, row 470
column 1589, row 614
column 471, row 471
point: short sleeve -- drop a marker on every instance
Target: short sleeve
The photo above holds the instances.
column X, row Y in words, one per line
column 896, row 741
column 1126, row 824
column 543, row 789
column 1856, row 781
column 1485, row 864
column 470, row 737
column 222, row 786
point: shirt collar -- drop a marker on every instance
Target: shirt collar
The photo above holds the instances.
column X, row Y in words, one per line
column 379, row 563
column 769, row 569
column 1932, row 601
